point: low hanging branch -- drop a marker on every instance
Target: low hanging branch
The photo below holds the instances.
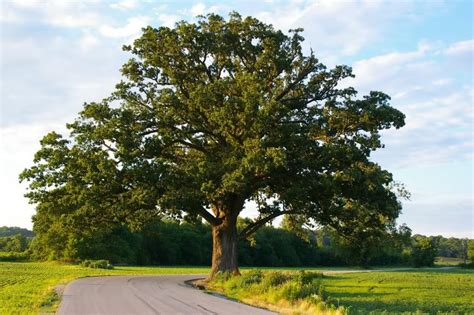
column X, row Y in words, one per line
column 252, row 227
column 209, row 217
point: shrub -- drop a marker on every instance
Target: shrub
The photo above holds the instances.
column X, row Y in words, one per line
column 12, row 256
column 245, row 280
column 303, row 285
column 308, row 277
column 273, row 279
column 424, row 253
column 294, row 290
column 97, row 264
column 249, row 278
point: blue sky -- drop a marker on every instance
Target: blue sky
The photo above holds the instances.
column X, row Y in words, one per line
column 56, row 55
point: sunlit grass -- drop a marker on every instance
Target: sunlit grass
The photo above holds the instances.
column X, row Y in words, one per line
column 415, row 291
column 25, row 288
column 427, row 291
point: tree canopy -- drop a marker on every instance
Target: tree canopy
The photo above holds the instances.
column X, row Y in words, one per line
column 211, row 115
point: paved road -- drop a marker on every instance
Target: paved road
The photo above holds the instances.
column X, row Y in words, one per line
column 145, row 295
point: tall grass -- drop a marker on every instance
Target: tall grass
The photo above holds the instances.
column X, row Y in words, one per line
column 285, row 292
column 414, row 291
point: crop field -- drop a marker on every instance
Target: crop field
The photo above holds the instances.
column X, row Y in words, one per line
column 26, row 288
column 426, row 291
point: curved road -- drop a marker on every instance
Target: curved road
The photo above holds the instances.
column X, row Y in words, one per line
column 145, row 295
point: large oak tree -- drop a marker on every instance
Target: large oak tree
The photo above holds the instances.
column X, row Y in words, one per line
column 209, row 116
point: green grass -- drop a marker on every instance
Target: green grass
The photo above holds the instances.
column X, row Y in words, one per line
column 28, row 288
column 415, row 291
column 428, row 291
column 285, row 292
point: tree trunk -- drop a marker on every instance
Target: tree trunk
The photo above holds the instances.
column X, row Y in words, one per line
column 224, row 247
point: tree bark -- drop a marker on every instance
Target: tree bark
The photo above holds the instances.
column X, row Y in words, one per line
column 224, row 246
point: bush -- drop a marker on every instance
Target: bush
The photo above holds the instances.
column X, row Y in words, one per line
column 97, row 264
column 424, row 253
column 244, row 281
column 308, row 277
column 295, row 290
column 273, row 279
column 12, row 256
column 249, row 278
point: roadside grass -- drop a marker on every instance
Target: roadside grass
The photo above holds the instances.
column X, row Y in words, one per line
column 415, row 291
column 29, row 288
column 286, row 292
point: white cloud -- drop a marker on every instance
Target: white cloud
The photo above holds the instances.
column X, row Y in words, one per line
column 168, row 20
column 124, row 5
column 45, row 78
column 72, row 20
column 8, row 15
column 463, row 47
column 438, row 108
column 198, row 9
column 131, row 29
column 87, row 42
column 70, row 14
column 342, row 26
column 28, row 3
column 202, row 9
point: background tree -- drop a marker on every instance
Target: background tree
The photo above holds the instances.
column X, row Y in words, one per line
column 209, row 116
column 470, row 250
column 425, row 250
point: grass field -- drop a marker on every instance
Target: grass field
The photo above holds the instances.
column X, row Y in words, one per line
column 427, row 291
column 416, row 291
column 26, row 288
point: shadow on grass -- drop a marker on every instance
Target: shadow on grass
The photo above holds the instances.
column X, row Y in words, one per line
column 377, row 307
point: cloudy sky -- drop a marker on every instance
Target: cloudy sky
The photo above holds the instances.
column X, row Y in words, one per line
column 56, row 55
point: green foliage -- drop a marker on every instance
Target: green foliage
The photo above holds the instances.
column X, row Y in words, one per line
column 274, row 279
column 424, row 252
column 470, row 249
column 13, row 230
column 451, row 247
column 247, row 279
column 98, row 264
column 16, row 243
column 167, row 243
column 210, row 115
column 14, row 256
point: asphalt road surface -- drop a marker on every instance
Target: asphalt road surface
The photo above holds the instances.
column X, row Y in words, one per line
column 145, row 295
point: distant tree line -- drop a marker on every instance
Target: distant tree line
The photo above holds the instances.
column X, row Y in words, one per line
column 170, row 242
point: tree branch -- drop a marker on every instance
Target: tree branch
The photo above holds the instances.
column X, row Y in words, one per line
column 304, row 72
column 209, row 217
column 252, row 227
